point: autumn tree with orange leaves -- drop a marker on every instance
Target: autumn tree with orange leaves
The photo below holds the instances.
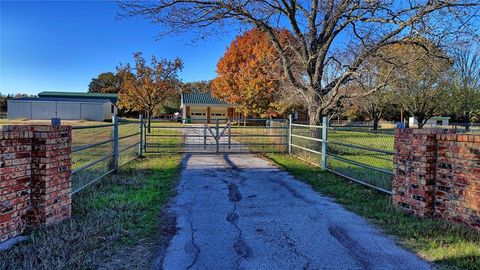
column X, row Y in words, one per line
column 146, row 87
column 250, row 75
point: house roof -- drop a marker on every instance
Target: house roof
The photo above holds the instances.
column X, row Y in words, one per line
column 79, row 95
column 79, row 100
column 201, row 98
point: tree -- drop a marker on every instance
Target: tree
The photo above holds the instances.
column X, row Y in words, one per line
column 145, row 87
column 197, row 87
column 419, row 80
column 249, row 74
column 374, row 105
column 466, row 84
column 334, row 37
column 106, row 82
column 3, row 103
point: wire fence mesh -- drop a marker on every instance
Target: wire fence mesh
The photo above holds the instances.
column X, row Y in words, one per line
column 93, row 151
column 366, row 156
column 356, row 153
column 218, row 136
column 128, row 140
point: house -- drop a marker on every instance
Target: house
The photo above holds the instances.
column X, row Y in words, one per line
column 203, row 108
column 64, row 105
column 437, row 121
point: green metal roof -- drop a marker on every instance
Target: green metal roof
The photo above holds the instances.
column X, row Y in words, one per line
column 51, row 94
column 201, row 98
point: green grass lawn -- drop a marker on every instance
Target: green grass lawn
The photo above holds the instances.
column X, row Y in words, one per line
column 448, row 246
column 356, row 145
column 83, row 137
column 261, row 138
column 119, row 214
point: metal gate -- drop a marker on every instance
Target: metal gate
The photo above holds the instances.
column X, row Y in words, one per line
column 217, row 136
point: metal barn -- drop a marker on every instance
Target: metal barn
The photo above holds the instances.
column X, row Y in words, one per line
column 74, row 106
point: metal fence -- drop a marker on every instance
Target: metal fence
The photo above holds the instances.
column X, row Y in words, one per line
column 99, row 150
column 358, row 154
column 465, row 128
column 217, row 136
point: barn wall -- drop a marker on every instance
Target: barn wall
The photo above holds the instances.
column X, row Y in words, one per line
column 92, row 112
column 68, row 111
column 46, row 110
column 19, row 109
column 107, row 110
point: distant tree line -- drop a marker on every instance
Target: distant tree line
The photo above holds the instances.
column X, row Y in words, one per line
column 337, row 48
column 4, row 98
column 424, row 86
column 151, row 88
column 416, row 78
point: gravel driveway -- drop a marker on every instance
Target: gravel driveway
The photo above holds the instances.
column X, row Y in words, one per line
column 241, row 212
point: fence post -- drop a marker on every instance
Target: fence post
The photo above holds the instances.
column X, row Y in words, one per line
column 205, row 126
column 144, row 126
column 114, row 160
column 289, row 138
column 229, row 135
column 324, row 141
column 217, row 127
column 140, row 135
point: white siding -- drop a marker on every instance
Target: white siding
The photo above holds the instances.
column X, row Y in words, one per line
column 19, row 109
column 44, row 110
column 92, row 112
column 67, row 110
column 107, row 110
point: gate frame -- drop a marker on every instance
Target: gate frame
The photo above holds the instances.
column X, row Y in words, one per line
column 217, row 134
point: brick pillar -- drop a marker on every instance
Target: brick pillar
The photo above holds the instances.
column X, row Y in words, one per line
column 35, row 177
column 415, row 169
column 458, row 179
column 51, row 174
column 15, row 159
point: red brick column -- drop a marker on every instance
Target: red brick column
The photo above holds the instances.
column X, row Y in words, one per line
column 458, row 179
column 15, row 150
column 51, row 174
column 415, row 169
column 35, row 177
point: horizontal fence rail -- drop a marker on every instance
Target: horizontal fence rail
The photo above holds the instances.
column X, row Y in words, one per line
column 355, row 153
column 217, row 136
column 99, row 150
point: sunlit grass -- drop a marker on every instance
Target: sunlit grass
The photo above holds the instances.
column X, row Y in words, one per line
column 362, row 154
column 122, row 211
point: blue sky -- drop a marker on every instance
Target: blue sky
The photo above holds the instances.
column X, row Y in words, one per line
column 62, row 45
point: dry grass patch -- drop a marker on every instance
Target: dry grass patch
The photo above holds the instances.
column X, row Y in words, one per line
column 115, row 222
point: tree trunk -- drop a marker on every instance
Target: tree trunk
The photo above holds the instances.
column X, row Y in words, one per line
column 467, row 122
column 421, row 122
column 149, row 121
column 375, row 124
column 314, row 120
